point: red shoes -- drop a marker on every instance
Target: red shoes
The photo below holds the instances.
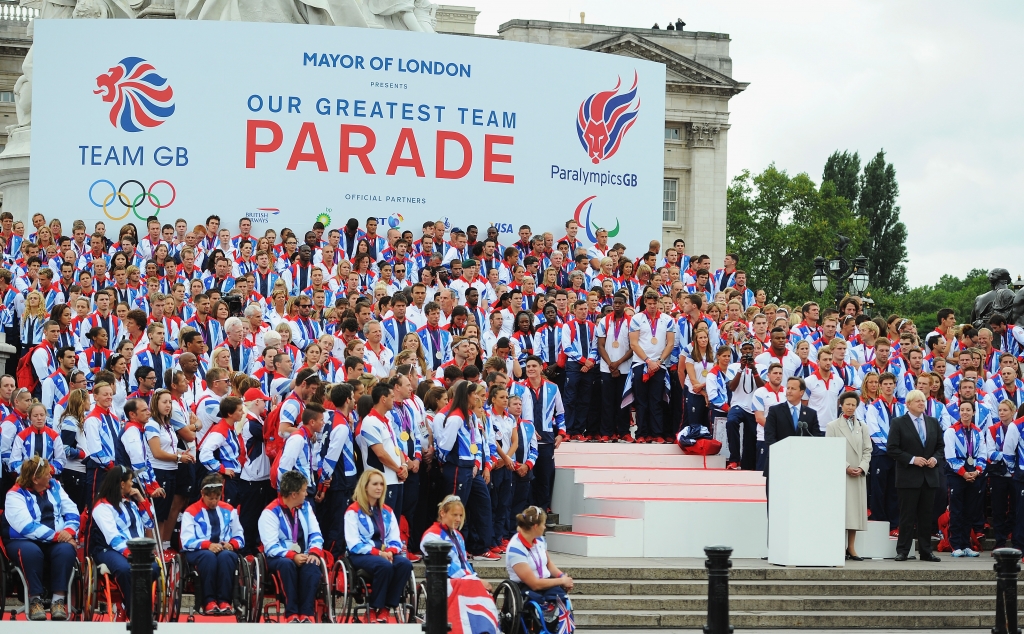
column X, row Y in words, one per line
column 733, row 466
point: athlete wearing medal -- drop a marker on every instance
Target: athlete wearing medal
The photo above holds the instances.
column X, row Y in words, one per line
column 380, row 446
column 612, row 334
column 652, row 339
column 293, row 546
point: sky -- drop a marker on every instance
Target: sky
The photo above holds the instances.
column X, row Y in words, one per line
column 933, row 83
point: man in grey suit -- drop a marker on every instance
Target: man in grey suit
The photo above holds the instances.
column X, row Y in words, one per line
column 915, row 445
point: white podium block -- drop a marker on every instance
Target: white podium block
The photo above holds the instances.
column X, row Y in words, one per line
column 875, row 543
column 807, row 502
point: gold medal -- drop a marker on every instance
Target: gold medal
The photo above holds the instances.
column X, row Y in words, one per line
column 397, row 452
column 405, row 436
column 654, row 340
column 703, row 372
column 473, row 448
column 615, row 344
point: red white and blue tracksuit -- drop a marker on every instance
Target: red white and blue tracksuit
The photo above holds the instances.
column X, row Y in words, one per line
column 201, row 528
column 285, row 533
column 367, row 535
column 31, row 523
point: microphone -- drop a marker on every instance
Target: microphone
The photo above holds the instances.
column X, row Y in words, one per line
column 802, row 425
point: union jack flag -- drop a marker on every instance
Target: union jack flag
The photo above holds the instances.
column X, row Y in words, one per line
column 565, row 623
column 471, row 609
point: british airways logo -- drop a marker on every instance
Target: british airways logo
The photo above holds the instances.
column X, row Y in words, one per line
column 604, row 119
column 139, row 98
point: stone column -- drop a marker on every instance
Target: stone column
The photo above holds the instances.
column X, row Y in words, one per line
column 700, row 227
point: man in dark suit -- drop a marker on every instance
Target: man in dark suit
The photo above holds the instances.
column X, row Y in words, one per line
column 791, row 418
column 915, row 445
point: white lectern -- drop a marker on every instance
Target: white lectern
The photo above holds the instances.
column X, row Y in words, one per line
column 807, row 502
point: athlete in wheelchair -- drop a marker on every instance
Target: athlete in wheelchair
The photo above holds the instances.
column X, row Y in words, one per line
column 211, row 536
column 120, row 514
column 375, row 547
column 534, row 598
column 293, row 551
column 40, row 530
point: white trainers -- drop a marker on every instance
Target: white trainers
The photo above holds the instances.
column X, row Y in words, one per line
column 969, row 553
column 958, row 553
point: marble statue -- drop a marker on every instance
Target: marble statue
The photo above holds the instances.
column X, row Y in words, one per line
column 1000, row 300
column 408, row 15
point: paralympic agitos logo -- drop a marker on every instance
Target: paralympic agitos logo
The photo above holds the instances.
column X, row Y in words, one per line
column 139, row 98
column 604, row 118
column 582, row 216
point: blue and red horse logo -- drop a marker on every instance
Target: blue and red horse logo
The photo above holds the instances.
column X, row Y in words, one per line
column 604, row 119
column 140, row 98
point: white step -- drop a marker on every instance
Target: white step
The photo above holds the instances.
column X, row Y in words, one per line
column 587, row 545
column 616, row 448
column 666, row 476
column 685, row 492
column 636, row 460
column 683, row 529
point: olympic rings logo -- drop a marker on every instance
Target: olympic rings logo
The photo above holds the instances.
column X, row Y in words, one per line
column 131, row 204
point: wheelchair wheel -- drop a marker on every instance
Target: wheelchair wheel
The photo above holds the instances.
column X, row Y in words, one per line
column 509, row 601
column 3, row 585
column 421, row 603
column 258, row 567
column 324, row 605
column 406, row 610
column 341, row 588
column 173, row 588
column 90, row 589
column 76, row 593
column 243, row 589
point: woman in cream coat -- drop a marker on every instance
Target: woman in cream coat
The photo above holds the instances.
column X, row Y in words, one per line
column 858, row 458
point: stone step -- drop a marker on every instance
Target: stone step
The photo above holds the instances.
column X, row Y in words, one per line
column 775, row 603
column 792, row 588
column 656, row 573
column 772, row 620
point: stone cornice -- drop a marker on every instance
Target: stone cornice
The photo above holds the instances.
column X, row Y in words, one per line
column 697, row 78
column 600, row 28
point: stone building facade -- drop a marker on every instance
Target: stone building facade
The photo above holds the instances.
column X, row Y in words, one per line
column 698, row 87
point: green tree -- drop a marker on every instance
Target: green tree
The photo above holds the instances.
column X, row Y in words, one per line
column 920, row 304
column 886, row 247
column 843, row 169
column 779, row 224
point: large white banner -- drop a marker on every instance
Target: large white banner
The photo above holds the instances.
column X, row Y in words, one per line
column 286, row 124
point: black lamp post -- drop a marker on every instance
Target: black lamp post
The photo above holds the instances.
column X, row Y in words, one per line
column 855, row 278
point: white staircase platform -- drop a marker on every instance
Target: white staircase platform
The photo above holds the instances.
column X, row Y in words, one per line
column 633, row 500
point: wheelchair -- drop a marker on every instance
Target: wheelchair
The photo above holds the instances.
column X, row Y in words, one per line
column 351, row 587
column 102, row 599
column 517, row 614
column 264, row 598
column 241, row 602
column 12, row 578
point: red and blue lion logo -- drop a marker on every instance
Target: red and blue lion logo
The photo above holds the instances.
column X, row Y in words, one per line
column 604, row 119
column 140, row 99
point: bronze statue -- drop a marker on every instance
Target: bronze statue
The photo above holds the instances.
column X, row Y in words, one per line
column 1000, row 300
